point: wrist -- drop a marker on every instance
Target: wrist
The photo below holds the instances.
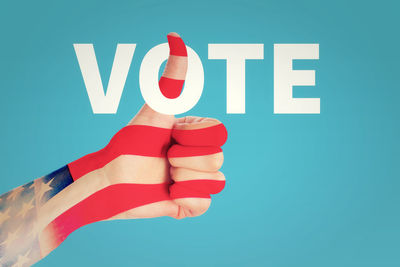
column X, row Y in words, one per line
column 60, row 203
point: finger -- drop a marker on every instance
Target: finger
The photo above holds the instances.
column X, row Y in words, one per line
column 195, row 131
column 191, row 190
column 171, row 84
column 205, row 163
column 193, row 196
column 191, row 207
column 191, row 183
column 171, row 81
column 183, row 174
column 194, row 122
column 179, row 151
column 196, row 188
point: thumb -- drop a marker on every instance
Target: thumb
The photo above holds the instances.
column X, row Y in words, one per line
column 171, row 84
column 172, row 80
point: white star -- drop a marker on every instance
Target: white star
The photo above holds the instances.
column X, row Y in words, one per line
column 15, row 192
column 11, row 237
column 34, row 230
column 4, row 216
column 22, row 259
column 44, row 187
column 25, row 208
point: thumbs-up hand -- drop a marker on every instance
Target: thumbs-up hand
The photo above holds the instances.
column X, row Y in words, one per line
column 194, row 157
column 155, row 166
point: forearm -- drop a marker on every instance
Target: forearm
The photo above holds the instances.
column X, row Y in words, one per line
column 25, row 212
column 64, row 200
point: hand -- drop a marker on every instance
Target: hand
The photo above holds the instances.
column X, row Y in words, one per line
column 156, row 166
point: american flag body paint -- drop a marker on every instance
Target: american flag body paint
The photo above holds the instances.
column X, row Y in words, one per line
column 19, row 227
column 145, row 142
column 118, row 198
column 171, row 87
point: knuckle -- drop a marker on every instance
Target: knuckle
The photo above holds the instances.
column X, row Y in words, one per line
column 216, row 162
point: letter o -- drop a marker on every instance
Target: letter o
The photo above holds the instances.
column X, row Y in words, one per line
column 148, row 82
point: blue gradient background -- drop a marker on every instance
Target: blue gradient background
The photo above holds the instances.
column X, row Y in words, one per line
column 303, row 190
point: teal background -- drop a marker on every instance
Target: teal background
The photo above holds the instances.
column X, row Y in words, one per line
column 303, row 190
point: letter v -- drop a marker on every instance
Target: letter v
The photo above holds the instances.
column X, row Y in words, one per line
column 104, row 103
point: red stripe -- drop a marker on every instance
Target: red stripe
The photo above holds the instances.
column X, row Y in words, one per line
column 151, row 141
column 118, row 198
column 177, row 151
column 170, row 88
column 131, row 140
column 196, row 188
column 176, row 46
column 211, row 136
column 106, row 203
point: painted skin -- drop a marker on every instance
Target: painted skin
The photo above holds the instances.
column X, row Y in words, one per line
column 194, row 158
